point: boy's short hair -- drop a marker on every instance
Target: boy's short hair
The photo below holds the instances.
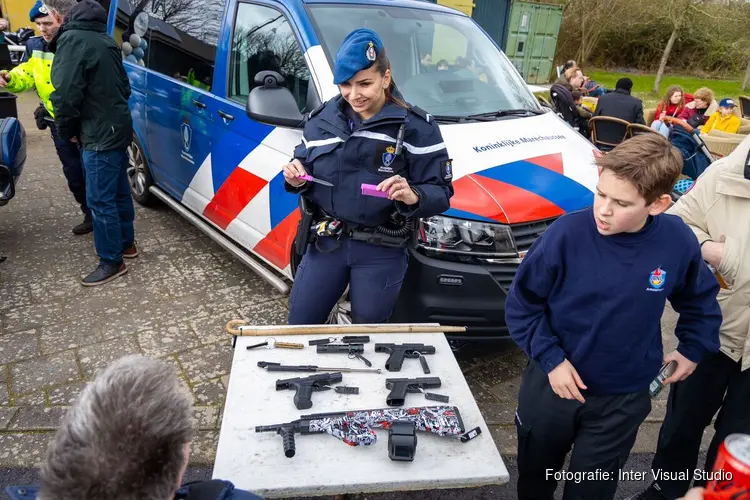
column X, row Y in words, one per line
column 576, row 95
column 648, row 161
column 704, row 94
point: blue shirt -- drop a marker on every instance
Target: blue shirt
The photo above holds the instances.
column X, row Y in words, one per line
column 597, row 301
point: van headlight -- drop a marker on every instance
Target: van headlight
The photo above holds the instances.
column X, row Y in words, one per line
column 459, row 236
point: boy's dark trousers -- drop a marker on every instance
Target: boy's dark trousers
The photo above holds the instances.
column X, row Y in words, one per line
column 717, row 382
column 602, row 432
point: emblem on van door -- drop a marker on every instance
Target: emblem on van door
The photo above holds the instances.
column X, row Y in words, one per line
column 187, row 136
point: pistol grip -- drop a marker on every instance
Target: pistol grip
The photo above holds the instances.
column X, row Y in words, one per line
column 302, row 398
column 395, row 361
column 397, row 396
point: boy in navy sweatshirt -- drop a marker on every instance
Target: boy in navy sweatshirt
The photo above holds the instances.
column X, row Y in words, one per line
column 586, row 306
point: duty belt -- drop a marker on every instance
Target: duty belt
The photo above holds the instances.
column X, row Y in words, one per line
column 333, row 228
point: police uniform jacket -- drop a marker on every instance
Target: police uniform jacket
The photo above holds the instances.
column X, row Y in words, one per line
column 347, row 157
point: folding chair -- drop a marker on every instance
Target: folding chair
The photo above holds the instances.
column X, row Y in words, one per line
column 745, row 106
column 607, row 132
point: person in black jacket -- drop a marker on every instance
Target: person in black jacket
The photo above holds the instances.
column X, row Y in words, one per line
column 619, row 104
column 91, row 107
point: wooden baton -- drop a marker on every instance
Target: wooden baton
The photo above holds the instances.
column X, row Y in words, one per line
column 236, row 327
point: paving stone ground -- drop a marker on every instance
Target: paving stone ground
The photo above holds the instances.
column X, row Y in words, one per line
column 173, row 304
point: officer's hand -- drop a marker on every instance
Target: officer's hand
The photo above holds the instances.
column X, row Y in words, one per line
column 398, row 189
column 684, row 367
column 565, row 381
column 292, row 173
column 4, row 78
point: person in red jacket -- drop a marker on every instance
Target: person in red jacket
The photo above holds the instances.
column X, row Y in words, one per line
column 671, row 105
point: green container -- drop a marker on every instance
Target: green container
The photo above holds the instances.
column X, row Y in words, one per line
column 532, row 39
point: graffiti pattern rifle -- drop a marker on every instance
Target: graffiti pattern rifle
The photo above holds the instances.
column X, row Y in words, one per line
column 355, row 428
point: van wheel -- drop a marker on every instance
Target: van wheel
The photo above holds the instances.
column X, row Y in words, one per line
column 139, row 175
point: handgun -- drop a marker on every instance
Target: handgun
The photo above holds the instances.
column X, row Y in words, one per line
column 305, row 386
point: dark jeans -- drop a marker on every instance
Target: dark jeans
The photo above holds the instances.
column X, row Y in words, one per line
column 717, row 384
column 374, row 274
column 601, row 431
column 108, row 196
column 70, row 157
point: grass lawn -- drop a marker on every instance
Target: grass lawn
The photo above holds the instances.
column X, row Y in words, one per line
column 644, row 83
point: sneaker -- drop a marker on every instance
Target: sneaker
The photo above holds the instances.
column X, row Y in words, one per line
column 84, row 227
column 104, row 273
column 132, row 252
column 651, row 493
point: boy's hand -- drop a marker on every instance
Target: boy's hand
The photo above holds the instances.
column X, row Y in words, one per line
column 4, row 78
column 565, row 381
column 684, row 367
column 713, row 253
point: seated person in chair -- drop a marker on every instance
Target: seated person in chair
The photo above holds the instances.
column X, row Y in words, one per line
column 723, row 120
column 694, row 112
column 618, row 104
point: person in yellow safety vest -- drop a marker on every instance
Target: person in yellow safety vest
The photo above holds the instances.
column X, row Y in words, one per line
column 35, row 73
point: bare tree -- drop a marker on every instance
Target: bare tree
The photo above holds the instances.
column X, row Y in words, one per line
column 595, row 17
column 680, row 11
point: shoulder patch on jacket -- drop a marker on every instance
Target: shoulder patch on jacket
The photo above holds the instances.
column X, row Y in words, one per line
column 316, row 110
column 421, row 113
column 446, row 170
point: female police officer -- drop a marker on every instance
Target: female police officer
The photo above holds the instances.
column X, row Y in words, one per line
column 366, row 135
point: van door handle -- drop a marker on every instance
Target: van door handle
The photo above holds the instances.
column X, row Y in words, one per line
column 199, row 104
column 226, row 116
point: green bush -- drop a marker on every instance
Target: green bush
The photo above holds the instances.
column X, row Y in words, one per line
column 715, row 38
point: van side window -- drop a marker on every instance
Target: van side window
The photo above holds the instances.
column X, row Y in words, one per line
column 263, row 40
column 175, row 38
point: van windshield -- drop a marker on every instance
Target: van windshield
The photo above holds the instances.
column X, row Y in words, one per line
column 441, row 62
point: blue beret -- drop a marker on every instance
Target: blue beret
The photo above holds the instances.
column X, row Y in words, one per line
column 358, row 51
column 38, row 10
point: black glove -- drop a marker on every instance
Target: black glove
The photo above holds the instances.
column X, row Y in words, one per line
column 40, row 114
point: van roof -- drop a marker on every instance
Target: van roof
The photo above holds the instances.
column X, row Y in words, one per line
column 416, row 4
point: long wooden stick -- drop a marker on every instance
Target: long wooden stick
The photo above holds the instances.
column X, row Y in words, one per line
column 237, row 327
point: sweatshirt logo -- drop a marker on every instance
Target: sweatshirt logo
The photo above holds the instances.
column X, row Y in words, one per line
column 657, row 279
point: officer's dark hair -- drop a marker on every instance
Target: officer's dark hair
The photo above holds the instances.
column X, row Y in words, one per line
column 381, row 64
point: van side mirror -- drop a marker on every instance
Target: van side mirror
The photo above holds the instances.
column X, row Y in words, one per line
column 272, row 104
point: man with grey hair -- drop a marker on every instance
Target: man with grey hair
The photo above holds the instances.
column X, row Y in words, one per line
column 127, row 437
column 90, row 103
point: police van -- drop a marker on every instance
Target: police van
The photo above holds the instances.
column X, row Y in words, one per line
column 203, row 147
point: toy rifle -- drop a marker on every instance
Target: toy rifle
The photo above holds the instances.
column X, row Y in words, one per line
column 355, row 428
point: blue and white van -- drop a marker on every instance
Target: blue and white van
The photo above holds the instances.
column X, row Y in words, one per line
column 193, row 64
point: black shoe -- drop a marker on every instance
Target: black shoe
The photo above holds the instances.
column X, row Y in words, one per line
column 651, row 493
column 84, row 227
column 104, row 273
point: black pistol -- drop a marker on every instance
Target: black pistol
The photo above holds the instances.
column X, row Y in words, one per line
column 305, row 386
column 400, row 351
column 400, row 386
